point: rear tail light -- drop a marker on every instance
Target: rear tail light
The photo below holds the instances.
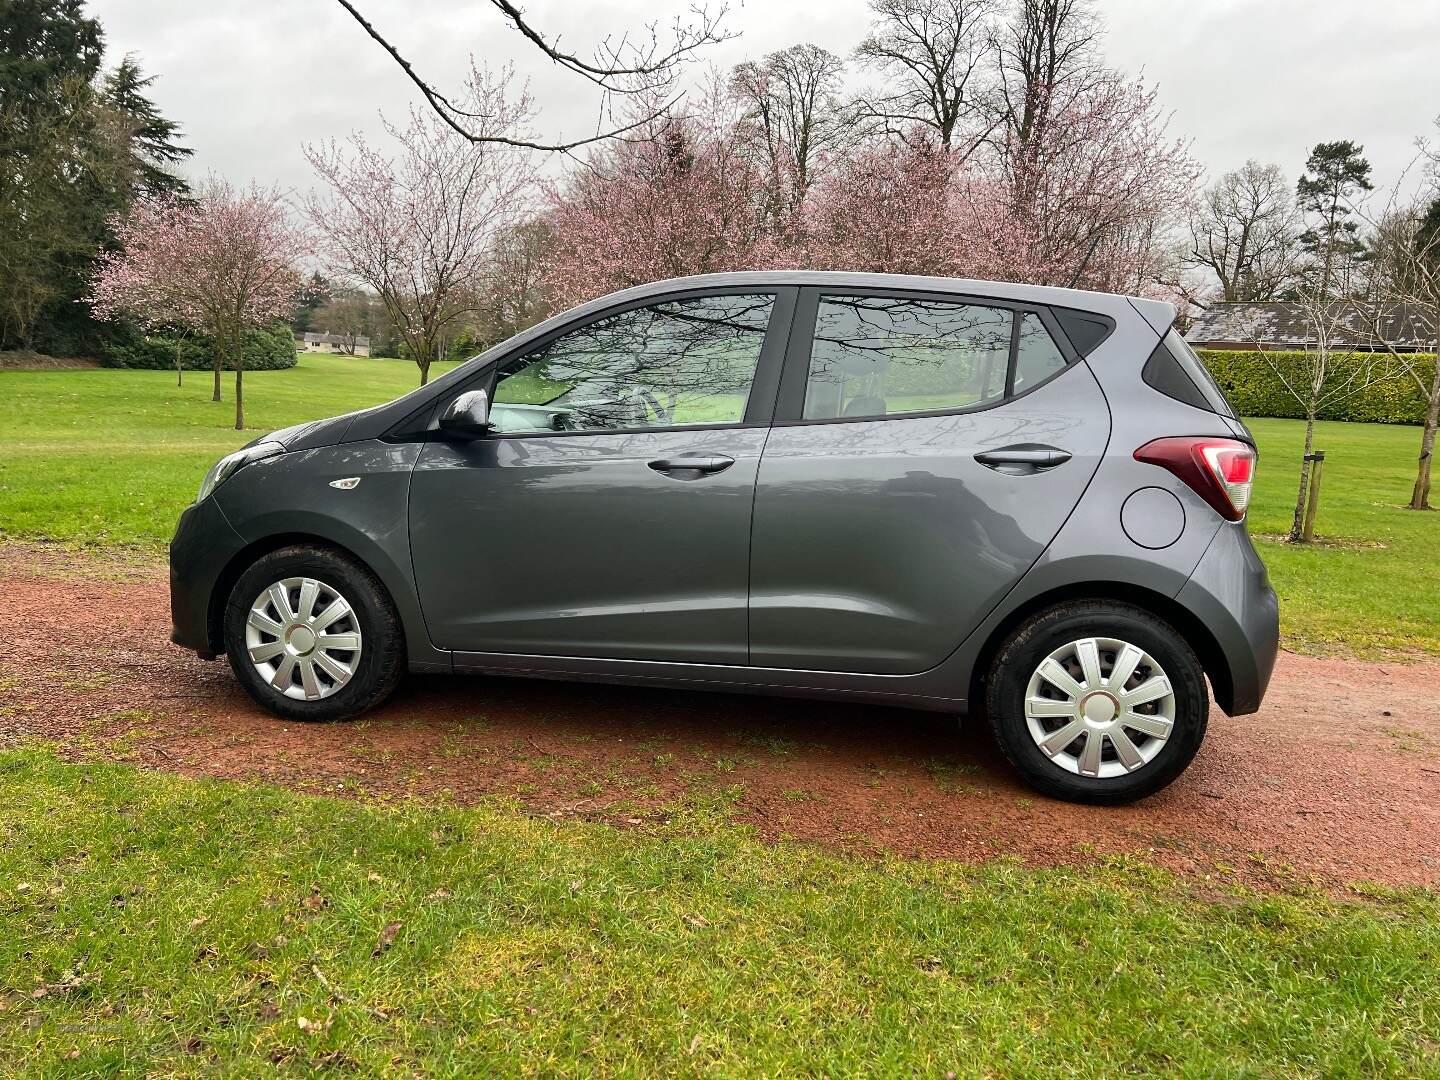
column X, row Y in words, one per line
column 1220, row 471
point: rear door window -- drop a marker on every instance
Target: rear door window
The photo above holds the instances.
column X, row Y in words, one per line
column 1037, row 357
column 885, row 356
column 875, row 356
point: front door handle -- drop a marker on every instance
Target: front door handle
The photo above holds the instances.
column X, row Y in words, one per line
column 1024, row 459
column 693, row 463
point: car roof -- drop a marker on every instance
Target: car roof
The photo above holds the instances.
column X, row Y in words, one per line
column 1157, row 313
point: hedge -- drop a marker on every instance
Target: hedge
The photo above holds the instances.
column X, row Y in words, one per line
column 1255, row 390
column 265, row 350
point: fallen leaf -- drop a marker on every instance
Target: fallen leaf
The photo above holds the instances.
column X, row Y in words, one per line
column 199, row 920
column 694, row 1045
column 697, row 921
column 387, row 937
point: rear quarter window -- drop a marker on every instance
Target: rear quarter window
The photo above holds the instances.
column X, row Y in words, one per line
column 1175, row 371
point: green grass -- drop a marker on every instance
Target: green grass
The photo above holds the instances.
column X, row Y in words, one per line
column 111, row 457
column 156, row 925
column 1372, row 585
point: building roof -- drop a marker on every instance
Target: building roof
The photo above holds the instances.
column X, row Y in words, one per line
column 1404, row 326
column 333, row 339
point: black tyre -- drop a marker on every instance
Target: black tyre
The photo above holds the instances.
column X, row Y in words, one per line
column 313, row 635
column 1097, row 702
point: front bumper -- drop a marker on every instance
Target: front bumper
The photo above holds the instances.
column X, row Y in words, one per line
column 203, row 546
column 1230, row 593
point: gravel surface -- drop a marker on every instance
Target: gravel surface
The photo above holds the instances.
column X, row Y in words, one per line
column 1336, row 780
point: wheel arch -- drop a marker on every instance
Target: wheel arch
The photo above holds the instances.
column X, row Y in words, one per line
column 1207, row 647
column 243, row 559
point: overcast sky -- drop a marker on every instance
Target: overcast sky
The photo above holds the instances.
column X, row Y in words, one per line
column 252, row 81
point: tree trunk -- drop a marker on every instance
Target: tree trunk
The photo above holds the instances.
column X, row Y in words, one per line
column 239, row 389
column 424, row 370
column 1420, row 496
column 1297, row 535
column 179, row 372
column 215, row 355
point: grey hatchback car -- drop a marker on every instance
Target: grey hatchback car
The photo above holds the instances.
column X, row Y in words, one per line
column 1023, row 502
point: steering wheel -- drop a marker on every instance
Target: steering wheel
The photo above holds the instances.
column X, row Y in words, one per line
column 649, row 402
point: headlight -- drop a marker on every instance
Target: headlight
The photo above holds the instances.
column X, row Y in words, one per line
column 232, row 463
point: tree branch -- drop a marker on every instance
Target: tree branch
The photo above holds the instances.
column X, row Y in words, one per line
column 646, row 73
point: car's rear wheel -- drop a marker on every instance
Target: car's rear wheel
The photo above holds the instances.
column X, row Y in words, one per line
column 313, row 635
column 1097, row 702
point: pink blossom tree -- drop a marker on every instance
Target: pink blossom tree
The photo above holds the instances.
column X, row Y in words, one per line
column 1097, row 187
column 885, row 208
column 221, row 263
column 1090, row 194
column 1087, row 199
column 136, row 282
column 417, row 228
column 687, row 199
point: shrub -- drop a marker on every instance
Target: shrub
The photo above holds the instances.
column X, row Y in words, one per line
column 265, row 350
column 1255, row 390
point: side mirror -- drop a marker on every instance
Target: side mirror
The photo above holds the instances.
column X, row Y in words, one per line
column 468, row 416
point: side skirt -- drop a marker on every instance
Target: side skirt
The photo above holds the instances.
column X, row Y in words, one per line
column 896, row 690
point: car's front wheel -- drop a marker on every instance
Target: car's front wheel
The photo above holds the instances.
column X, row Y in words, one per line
column 1097, row 702
column 313, row 635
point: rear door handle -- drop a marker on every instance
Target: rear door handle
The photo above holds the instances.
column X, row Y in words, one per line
column 694, row 463
column 1023, row 459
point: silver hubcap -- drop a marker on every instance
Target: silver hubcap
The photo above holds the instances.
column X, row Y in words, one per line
column 303, row 638
column 1100, row 707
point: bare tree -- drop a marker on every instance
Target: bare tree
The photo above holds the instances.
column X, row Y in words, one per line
column 1047, row 56
column 1246, row 231
column 515, row 297
column 1404, row 291
column 417, row 230
column 791, row 106
column 932, row 54
column 349, row 314
column 635, row 66
column 1329, row 371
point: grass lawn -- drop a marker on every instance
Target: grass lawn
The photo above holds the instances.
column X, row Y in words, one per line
column 1372, row 585
column 111, row 457
column 156, row 925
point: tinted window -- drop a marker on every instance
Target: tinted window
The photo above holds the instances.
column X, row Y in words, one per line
column 883, row 356
column 1038, row 357
column 1199, row 373
column 681, row 362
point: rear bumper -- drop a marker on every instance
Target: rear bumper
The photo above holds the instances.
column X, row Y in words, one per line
column 203, row 546
column 1230, row 593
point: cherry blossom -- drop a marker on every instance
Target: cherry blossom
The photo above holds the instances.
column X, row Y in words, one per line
column 220, row 263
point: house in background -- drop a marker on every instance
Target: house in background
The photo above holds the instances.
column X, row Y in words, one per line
column 1282, row 326
column 358, row 345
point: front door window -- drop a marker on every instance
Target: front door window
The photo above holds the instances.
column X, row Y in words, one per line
column 675, row 364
